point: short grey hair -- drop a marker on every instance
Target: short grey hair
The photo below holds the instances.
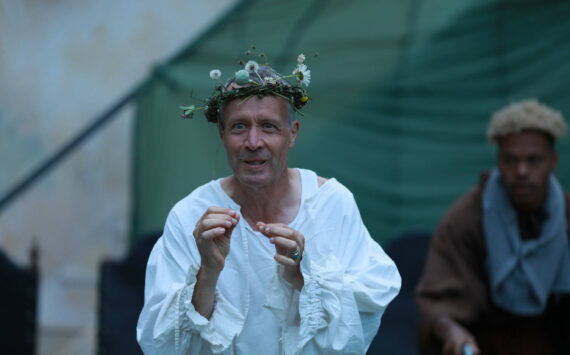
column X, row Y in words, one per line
column 263, row 72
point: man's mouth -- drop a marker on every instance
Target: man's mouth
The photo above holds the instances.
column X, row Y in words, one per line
column 522, row 189
column 255, row 162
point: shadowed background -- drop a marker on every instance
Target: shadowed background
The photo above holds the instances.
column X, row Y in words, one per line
column 401, row 95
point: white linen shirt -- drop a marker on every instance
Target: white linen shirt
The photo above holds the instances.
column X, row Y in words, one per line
column 348, row 282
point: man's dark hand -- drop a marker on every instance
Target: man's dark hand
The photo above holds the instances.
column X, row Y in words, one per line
column 454, row 337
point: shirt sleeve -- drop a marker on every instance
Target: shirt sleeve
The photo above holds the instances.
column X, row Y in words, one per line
column 169, row 323
column 348, row 283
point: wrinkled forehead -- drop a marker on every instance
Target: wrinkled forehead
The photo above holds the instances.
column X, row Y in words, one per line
column 267, row 106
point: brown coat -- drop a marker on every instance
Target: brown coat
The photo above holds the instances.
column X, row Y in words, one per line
column 455, row 283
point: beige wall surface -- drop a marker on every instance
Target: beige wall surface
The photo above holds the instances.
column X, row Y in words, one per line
column 62, row 63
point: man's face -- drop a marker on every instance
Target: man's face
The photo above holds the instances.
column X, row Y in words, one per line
column 257, row 138
column 526, row 160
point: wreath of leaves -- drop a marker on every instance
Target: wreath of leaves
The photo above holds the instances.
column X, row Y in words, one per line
column 294, row 94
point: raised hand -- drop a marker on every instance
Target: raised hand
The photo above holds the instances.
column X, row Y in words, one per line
column 212, row 233
column 289, row 247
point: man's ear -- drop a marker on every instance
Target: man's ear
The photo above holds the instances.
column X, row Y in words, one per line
column 294, row 130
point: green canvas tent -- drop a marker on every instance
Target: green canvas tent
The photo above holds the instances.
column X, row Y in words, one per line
column 401, row 96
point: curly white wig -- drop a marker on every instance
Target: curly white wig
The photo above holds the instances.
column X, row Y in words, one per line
column 526, row 115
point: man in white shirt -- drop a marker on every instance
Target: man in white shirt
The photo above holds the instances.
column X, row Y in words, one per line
column 271, row 259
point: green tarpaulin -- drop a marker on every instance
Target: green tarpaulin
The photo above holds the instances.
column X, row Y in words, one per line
column 402, row 92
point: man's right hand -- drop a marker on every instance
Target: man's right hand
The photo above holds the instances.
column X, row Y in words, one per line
column 454, row 337
column 212, row 233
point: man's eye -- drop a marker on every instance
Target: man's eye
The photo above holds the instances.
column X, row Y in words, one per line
column 269, row 126
column 238, row 126
column 509, row 160
column 535, row 160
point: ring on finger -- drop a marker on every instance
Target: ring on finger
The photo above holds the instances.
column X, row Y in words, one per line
column 295, row 254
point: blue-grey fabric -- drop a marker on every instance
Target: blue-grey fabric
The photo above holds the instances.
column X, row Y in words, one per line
column 523, row 273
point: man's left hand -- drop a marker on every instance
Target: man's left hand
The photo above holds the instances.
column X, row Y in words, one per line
column 289, row 246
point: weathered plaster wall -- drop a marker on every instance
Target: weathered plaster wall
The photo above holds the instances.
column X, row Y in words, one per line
column 63, row 62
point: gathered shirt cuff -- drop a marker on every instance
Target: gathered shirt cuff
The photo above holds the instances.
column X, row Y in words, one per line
column 219, row 331
column 320, row 298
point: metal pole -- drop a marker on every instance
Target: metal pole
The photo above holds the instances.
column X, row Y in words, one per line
column 53, row 160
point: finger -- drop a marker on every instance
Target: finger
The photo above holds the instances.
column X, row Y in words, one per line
column 217, row 222
column 234, row 221
column 220, row 216
column 284, row 260
column 272, row 230
column 222, row 210
column 213, row 233
column 474, row 348
column 282, row 225
column 294, row 236
column 275, row 224
column 210, row 224
column 214, row 220
column 262, row 225
column 219, row 210
column 231, row 229
column 286, row 244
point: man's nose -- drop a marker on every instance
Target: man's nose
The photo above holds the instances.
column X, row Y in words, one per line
column 253, row 139
column 522, row 169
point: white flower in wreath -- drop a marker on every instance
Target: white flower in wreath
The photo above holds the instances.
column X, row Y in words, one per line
column 270, row 80
column 215, row 74
column 251, row 66
column 303, row 74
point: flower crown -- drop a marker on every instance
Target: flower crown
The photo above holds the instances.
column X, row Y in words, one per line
column 253, row 84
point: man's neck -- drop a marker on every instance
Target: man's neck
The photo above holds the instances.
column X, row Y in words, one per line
column 275, row 203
